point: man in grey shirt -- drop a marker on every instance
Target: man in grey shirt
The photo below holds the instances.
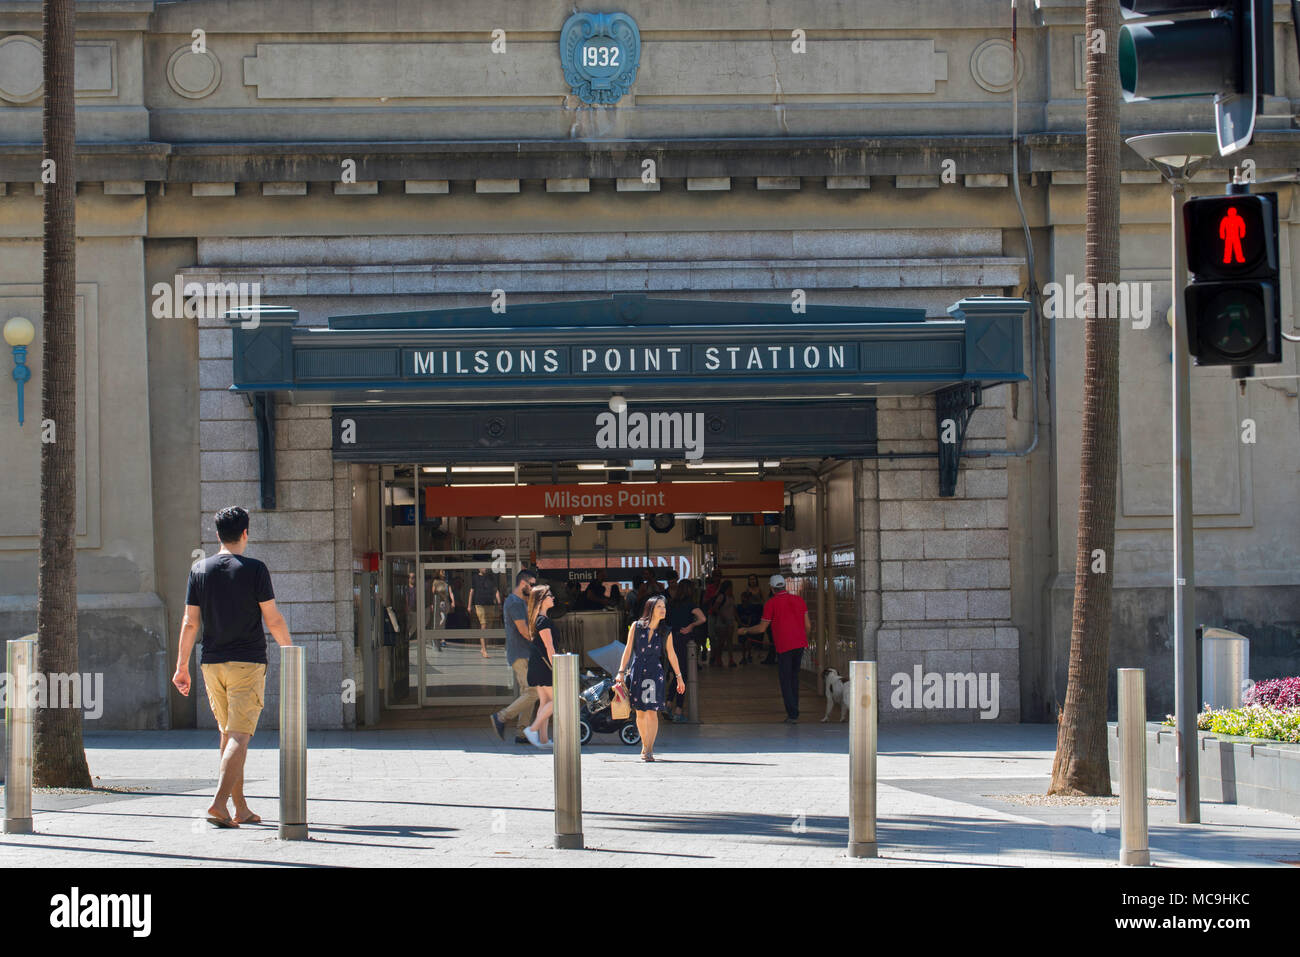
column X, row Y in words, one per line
column 514, row 612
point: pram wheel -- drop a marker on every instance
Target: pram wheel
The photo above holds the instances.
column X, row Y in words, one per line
column 584, row 731
column 629, row 734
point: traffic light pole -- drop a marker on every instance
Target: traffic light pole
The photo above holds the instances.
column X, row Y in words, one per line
column 1186, row 707
column 1177, row 156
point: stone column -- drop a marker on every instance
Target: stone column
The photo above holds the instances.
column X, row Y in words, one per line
column 304, row 541
column 945, row 588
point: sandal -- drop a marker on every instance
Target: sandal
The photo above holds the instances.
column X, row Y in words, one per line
column 647, row 757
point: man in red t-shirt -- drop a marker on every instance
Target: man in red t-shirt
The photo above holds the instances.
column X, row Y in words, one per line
column 787, row 615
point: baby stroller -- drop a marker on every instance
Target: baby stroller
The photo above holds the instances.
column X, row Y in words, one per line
column 594, row 712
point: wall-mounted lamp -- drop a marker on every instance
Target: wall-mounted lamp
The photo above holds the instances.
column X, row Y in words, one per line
column 19, row 333
column 617, row 404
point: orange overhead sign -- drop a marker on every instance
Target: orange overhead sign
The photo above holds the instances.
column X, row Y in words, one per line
column 622, row 499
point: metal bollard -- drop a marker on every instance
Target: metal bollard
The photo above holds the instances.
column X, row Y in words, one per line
column 1133, row 847
column 863, row 716
column 20, row 657
column 692, row 682
column 293, row 744
column 568, row 755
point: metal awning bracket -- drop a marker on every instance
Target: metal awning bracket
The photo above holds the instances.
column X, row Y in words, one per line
column 953, row 407
column 264, row 412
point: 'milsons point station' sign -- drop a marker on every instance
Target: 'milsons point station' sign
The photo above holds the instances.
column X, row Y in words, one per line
column 723, row 357
column 649, row 348
column 475, row 384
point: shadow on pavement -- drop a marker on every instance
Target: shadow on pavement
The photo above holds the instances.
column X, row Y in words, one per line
column 808, row 737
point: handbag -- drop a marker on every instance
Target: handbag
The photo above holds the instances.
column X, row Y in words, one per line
column 620, row 708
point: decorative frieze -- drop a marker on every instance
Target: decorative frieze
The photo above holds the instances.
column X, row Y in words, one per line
column 22, row 77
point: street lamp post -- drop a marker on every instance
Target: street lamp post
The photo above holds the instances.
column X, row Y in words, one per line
column 19, row 333
column 1177, row 156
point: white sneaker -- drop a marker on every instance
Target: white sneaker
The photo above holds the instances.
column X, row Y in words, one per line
column 532, row 737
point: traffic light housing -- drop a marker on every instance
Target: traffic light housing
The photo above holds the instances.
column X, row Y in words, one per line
column 1234, row 311
column 1223, row 49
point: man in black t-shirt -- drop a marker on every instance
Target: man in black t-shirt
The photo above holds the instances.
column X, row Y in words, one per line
column 231, row 595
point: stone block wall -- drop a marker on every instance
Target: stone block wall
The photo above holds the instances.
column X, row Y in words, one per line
column 305, row 540
column 944, row 579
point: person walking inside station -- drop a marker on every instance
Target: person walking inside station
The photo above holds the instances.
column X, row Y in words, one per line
column 230, row 594
column 787, row 615
column 723, row 611
column 442, row 602
column 647, row 640
column 756, row 591
column 636, row 596
column 749, row 611
column 484, row 594
column 712, row 583
column 683, row 617
column 541, row 663
column 518, row 651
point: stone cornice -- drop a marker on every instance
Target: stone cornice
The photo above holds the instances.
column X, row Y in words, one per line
column 21, row 162
column 1271, row 149
column 91, row 15
column 546, row 159
column 546, row 17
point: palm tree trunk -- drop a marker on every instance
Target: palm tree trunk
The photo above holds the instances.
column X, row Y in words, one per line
column 1082, row 765
column 60, row 758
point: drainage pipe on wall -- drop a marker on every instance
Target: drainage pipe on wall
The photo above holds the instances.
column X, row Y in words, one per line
column 1029, row 261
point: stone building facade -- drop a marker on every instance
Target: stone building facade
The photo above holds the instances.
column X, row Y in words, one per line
column 383, row 157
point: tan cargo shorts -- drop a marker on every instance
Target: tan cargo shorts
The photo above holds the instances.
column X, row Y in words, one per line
column 236, row 691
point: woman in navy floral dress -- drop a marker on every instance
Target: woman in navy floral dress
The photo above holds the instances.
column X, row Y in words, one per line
column 647, row 640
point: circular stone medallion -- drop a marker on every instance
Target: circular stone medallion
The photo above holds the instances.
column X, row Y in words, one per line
column 990, row 65
column 193, row 75
column 22, row 76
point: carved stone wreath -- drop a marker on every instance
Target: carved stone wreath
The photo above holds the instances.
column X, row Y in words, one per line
column 592, row 87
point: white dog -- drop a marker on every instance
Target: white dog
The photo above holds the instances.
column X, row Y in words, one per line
column 837, row 692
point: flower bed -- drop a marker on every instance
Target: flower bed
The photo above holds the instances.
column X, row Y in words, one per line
column 1271, row 711
column 1250, row 771
column 1274, row 724
column 1281, row 693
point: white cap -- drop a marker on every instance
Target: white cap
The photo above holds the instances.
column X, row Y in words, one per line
column 777, row 581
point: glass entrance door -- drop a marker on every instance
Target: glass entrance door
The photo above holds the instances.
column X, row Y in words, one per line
column 461, row 648
column 400, row 658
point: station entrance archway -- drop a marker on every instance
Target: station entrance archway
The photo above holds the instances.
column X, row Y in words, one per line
column 441, row 656
column 472, row 389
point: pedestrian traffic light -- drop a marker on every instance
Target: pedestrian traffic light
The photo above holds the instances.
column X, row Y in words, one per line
column 1234, row 312
column 1225, row 52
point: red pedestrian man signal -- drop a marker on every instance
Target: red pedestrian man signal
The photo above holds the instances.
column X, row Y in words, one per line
column 1232, row 230
column 1234, row 304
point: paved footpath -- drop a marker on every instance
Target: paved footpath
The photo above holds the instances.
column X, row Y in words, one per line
column 719, row 795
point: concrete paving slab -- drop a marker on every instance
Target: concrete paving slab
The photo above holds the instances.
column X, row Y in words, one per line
column 720, row 795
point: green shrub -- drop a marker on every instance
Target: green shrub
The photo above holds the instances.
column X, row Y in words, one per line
column 1252, row 721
